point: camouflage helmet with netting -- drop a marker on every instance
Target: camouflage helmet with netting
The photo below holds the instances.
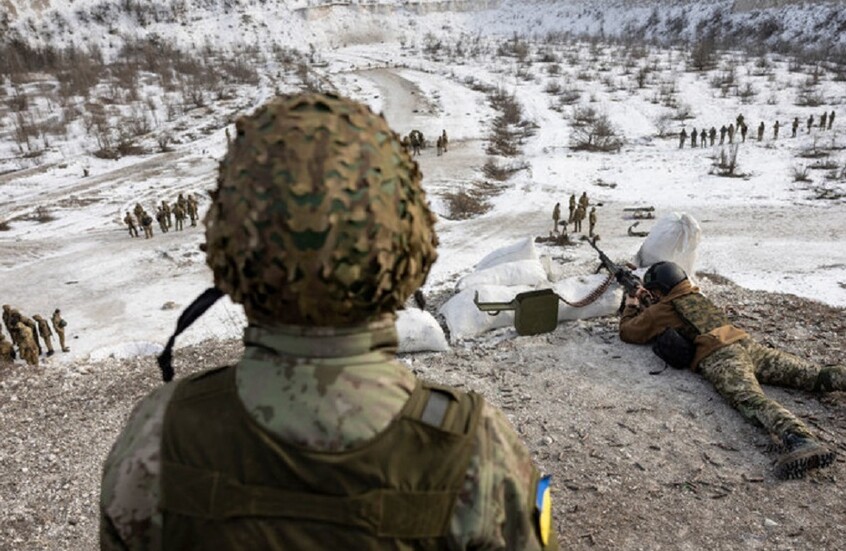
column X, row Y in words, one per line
column 319, row 217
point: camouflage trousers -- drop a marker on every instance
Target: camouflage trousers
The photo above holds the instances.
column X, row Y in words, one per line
column 738, row 370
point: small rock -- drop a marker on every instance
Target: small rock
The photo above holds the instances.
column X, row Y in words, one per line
column 770, row 523
column 170, row 305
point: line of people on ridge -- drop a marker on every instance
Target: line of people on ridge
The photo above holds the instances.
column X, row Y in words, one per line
column 701, row 138
column 27, row 334
column 165, row 214
column 578, row 212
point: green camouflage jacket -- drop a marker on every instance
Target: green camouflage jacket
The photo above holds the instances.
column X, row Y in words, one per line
column 325, row 389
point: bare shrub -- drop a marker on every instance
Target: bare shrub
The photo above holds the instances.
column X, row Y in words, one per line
column 800, row 173
column 42, row 215
column 726, row 163
column 4, row 225
column 552, row 87
column 598, row 136
column 663, row 124
column 164, row 140
column 501, row 173
column 808, row 96
column 584, row 115
column 747, row 93
column 683, row 112
column 465, row 204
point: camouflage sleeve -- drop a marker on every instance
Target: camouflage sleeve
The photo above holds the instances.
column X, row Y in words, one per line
column 130, row 487
column 496, row 507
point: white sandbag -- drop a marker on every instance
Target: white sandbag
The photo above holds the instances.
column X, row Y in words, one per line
column 419, row 332
column 464, row 320
column 576, row 288
column 675, row 237
column 521, row 272
column 521, row 250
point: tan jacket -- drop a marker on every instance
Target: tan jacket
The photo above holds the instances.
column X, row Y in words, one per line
column 639, row 326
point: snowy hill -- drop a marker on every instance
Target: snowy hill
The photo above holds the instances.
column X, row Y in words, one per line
column 774, row 24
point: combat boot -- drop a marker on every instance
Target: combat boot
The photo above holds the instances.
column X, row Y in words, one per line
column 803, row 454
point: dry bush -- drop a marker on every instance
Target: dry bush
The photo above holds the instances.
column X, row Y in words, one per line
column 553, row 87
column 495, row 171
column 599, row 136
column 584, row 115
column 703, row 56
column 726, row 163
column 4, row 225
column 800, row 173
column 747, row 93
column 463, row 204
column 808, row 96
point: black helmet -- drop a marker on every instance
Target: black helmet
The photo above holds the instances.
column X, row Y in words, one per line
column 663, row 276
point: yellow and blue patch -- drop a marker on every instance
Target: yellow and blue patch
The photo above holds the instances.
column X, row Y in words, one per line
column 543, row 509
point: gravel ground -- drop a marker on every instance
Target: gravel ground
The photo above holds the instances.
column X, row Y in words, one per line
column 639, row 460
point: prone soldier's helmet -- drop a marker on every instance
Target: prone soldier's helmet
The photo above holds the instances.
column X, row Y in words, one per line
column 663, row 276
column 319, row 217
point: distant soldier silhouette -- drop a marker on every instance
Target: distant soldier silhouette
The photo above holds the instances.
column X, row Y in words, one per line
column 723, row 131
column 693, row 137
column 823, row 121
column 776, row 126
column 556, row 215
column 166, row 209
column 59, row 326
column 578, row 216
column 795, row 126
column 444, row 139
column 30, row 323
column 703, row 138
column 161, row 219
column 682, row 138
column 7, row 351
column 45, row 333
column 192, row 209
column 739, row 121
column 133, row 231
column 831, row 119
column 743, row 130
column 584, row 202
column 179, row 214
column 712, row 135
column 147, row 225
column 572, row 207
column 761, row 131
column 731, row 133
column 439, row 145
column 810, row 123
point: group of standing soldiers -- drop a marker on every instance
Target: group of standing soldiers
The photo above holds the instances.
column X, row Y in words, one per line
column 414, row 142
column 701, row 138
column 578, row 212
column 27, row 334
column 165, row 215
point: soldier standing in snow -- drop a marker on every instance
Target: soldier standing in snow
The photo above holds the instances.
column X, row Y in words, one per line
column 682, row 138
column 59, row 326
column 133, row 231
column 45, row 333
column 556, row 215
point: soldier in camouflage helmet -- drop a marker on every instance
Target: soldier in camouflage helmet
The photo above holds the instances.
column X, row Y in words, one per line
column 318, row 438
column 700, row 334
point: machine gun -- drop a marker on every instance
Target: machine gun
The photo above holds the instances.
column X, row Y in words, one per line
column 624, row 276
column 535, row 312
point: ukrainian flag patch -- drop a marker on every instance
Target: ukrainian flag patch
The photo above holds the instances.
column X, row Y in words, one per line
column 543, row 508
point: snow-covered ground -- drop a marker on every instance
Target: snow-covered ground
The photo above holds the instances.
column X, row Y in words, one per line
column 121, row 296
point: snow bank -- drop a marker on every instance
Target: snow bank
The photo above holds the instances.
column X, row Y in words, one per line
column 126, row 350
column 464, row 320
column 521, row 272
column 419, row 332
column 521, row 250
